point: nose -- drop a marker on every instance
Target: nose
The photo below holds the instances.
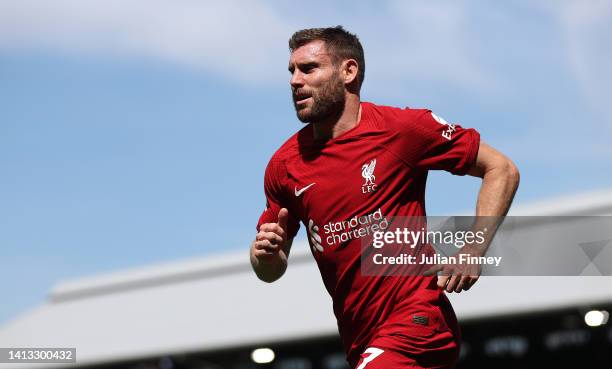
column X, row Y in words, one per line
column 297, row 79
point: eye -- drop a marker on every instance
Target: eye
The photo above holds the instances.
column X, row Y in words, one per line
column 308, row 68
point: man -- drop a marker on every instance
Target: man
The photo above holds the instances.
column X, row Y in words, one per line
column 357, row 159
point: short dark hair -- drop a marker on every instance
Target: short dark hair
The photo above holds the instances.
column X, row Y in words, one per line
column 340, row 43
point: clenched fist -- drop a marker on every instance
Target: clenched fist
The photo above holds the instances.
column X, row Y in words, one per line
column 270, row 249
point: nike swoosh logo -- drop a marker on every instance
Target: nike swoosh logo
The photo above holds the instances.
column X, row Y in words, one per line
column 299, row 192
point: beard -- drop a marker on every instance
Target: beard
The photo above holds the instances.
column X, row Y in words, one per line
column 327, row 102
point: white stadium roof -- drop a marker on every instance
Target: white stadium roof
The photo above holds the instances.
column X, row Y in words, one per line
column 217, row 302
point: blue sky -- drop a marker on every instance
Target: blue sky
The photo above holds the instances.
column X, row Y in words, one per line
column 137, row 132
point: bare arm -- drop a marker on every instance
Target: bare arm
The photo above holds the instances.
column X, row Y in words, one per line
column 270, row 250
column 500, row 180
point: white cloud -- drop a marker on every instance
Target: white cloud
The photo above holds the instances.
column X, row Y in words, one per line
column 406, row 41
column 245, row 40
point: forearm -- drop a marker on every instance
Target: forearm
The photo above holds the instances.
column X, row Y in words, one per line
column 497, row 190
column 499, row 185
column 500, row 179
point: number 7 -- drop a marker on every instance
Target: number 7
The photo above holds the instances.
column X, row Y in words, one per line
column 373, row 353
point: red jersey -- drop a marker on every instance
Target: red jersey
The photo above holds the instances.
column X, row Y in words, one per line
column 336, row 187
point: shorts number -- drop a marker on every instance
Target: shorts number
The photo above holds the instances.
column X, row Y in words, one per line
column 373, row 353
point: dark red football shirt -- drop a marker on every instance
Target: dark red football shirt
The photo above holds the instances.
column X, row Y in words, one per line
column 377, row 168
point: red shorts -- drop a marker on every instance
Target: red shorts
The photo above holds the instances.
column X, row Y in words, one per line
column 389, row 358
column 433, row 341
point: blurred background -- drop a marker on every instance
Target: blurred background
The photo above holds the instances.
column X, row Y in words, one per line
column 134, row 137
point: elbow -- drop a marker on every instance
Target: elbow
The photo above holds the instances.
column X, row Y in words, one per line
column 513, row 174
column 503, row 169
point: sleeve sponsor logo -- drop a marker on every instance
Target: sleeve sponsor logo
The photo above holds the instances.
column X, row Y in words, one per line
column 448, row 132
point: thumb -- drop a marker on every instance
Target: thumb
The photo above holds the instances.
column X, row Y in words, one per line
column 283, row 216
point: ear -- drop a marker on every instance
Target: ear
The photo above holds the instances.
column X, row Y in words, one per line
column 349, row 71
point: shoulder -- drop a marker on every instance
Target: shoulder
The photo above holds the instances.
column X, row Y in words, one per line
column 288, row 151
column 396, row 118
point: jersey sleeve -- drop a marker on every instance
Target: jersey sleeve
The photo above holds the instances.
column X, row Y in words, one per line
column 432, row 143
column 276, row 199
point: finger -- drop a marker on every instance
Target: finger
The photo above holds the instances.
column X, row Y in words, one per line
column 272, row 227
column 265, row 256
column 470, row 283
column 465, row 281
column 260, row 252
column 442, row 281
column 261, row 244
column 265, row 245
column 283, row 217
column 452, row 283
column 278, row 230
column 433, row 270
column 270, row 236
column 260, row 236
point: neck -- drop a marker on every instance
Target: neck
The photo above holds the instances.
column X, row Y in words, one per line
column 335, row 126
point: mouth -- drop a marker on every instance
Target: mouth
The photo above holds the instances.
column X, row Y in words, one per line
column 301, row 99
